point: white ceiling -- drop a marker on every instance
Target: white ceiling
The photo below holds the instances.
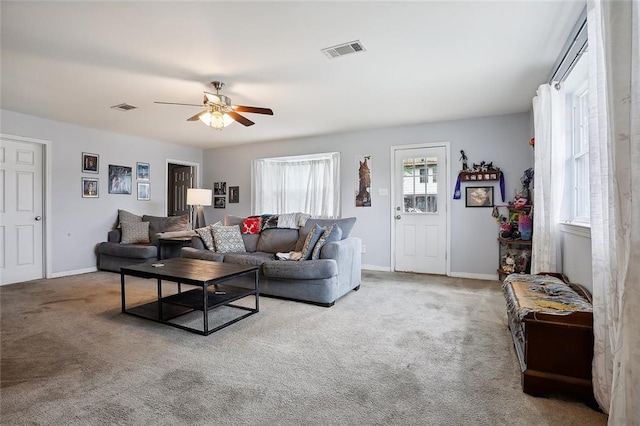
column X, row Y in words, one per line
column 424, row 61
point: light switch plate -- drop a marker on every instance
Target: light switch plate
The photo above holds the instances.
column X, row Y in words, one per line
column 383, row 192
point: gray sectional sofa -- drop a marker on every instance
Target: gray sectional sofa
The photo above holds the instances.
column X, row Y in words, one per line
column 322, row 281
column 134, row 239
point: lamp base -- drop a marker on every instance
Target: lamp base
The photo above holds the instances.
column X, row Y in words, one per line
column 200, row 223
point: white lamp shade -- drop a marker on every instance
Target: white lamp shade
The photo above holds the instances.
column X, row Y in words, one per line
column 198, row 197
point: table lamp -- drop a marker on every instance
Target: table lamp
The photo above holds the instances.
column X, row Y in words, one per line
column 199, row 197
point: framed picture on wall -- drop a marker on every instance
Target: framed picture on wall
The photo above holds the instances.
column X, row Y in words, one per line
column 219, row 188
column 89, row 187
column 219, row 202
column 89, row 162
column 119, row 179
column 144, row 191
column 479, row 196
column 142, row 171
column 234, row 194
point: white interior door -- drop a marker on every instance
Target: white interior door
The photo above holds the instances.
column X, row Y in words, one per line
column 420, row 216
column 21, row 211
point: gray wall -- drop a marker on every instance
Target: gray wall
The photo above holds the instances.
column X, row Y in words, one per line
column 79, row 224
column 474, row 249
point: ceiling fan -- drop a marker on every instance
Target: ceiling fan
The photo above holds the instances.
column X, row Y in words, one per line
column 218, row 111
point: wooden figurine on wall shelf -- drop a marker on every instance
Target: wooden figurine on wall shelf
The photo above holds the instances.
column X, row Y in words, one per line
column 463, row 158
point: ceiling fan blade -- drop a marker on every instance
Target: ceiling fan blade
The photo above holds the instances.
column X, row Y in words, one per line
column 255, row 110
column 177, row 103
column 197, row 116
column 240, row 119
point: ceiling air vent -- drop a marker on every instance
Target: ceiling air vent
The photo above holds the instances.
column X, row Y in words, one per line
column 124, row 107
column 344, row 49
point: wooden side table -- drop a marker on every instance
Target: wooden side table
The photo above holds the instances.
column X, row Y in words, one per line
column 170, row 247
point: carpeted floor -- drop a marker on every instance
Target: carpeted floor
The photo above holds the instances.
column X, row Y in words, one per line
column 404, row 350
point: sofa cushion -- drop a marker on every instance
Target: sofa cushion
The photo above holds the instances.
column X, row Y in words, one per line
column 310, row 242
column 346, row 224
column 250, row 241
column 250, row 259
column 331, row 234
column 135, row 233
column 251, row 225
column 195, row 253
column 207, row 237
column 303, row 270
column 277, row 240
column 127, row 217
column 135, row 251
column 159, row 224
column 227, row 239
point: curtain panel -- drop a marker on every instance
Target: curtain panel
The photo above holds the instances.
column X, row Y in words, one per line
column 549, row 155
column 614, row 123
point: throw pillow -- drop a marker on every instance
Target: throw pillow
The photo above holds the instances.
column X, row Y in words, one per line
column 135, row 233
column 207, row 237
column 228, row 239
column 310, row 242
column 251, row 225
column 333, row 233
column 269, row 221
column 125, row 216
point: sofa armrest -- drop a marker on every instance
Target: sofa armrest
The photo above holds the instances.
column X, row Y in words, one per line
column 114, row 236
column 347, row 254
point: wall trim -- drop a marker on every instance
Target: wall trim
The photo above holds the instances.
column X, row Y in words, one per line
column 376, row 268
column 486, row 277
column 73, row 272
column 579, row 230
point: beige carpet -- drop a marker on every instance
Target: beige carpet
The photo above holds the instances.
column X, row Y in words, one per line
column 404, row 350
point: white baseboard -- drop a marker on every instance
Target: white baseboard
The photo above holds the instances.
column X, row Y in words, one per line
column 487, row 277
column 376, row 268
column 73, row 272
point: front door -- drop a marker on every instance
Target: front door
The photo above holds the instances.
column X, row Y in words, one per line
column 21, row 211
column 420, row 216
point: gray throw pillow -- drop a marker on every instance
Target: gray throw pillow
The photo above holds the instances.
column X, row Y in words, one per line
column 331, row 234
column 126, row 217
column 310, row 241
column 207, row 237
column 135, row 233
column 228, row 239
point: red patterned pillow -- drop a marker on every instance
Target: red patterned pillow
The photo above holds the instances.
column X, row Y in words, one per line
column 251, row 225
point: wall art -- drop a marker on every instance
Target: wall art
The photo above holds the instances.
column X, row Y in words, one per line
column 363, row 181
column 234, row 194
column 144, row 191
column 119, row 179
column 142, row 171
column 89, row 187
column 90, row 162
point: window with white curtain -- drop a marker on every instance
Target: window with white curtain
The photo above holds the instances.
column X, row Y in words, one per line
column 305, row 183
column 576, row 209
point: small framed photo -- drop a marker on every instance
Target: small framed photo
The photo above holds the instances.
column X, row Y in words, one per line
column 219, row 202
column 219, row 188
column 144, row 191
column 479, row 196
column 90, row 162
column 234, row 194
column 89, row 187
column 142, row 171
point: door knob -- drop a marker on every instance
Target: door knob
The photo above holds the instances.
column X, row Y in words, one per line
column 398, row 217
column 38, row 217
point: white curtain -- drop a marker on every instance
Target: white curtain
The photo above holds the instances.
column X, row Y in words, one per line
column 549, row 128
column 307, row 184
column 614, row 42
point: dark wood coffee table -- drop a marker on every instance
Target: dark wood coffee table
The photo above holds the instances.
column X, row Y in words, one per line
column 212, row 294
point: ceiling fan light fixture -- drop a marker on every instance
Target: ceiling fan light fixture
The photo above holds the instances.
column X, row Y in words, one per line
column 217, row 120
